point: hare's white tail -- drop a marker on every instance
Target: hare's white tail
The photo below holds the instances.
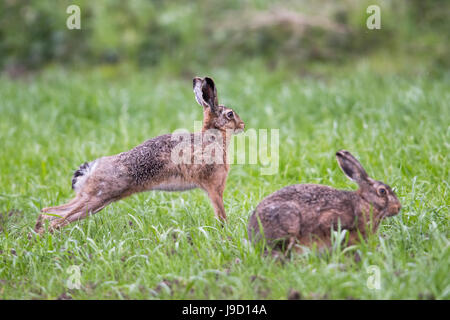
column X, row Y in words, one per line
column 80, row 176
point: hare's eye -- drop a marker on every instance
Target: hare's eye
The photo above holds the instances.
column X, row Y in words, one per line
column 230, row 114
column 381, row 191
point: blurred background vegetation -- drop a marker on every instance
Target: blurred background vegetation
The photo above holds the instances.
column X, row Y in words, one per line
column 300, row 35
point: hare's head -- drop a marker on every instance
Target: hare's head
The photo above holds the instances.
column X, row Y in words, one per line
column 377, row 193
column 216, row 116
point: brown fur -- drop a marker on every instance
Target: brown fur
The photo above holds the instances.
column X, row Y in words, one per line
column 149, row 166
column 307, row 213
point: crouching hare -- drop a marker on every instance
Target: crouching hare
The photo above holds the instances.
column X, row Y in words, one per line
column 306, row 213
column 157, row 165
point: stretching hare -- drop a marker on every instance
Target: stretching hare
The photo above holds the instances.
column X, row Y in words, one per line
column 306, row 213
column 157, row 165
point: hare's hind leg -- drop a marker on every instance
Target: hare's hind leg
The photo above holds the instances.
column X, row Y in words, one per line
column 61, row 211
column 62, row 208
column 75, row 210
column 97, row 184
column 85, row 206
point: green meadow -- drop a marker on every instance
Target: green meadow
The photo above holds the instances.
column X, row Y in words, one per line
column 160, row 245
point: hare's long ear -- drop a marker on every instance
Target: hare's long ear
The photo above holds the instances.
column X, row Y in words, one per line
column 351, row 167
column 206, row 93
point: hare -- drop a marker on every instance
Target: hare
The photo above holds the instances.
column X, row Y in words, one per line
column 156, row 165
column 306, row 213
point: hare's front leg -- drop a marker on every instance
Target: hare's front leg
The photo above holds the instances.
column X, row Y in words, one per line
column 217, row 201
column 215, row 194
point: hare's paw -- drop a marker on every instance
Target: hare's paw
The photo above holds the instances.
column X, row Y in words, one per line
column 40, row 223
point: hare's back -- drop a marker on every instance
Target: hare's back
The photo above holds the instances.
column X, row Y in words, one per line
column 309, row 201
column 303, row 194
column 151, row 166
column 301, row 209
column 149, row 160
column 282, row 213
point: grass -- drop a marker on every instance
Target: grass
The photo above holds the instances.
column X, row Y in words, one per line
column 161, row 245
